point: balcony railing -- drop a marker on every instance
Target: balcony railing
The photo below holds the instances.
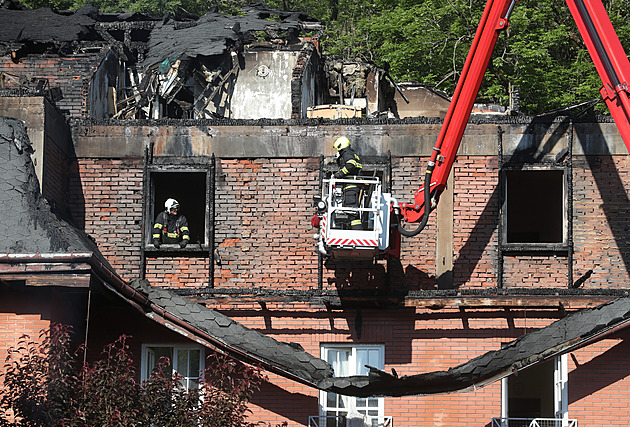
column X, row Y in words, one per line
column 342, row 421
column 533, row 422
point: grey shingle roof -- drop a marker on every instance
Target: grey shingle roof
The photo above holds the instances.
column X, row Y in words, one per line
column 29, row 225
column 286, row 357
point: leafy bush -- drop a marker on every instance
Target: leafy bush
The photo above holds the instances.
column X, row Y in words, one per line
column 43, row 387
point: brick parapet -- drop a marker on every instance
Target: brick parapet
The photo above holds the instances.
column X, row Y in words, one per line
column 70, row 74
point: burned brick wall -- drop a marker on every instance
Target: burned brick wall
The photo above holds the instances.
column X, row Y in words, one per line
column 601, row 185
column 70, row 74
column 263, row 231
column 475, row 219
column 50, row 135
column 57, row 157
column 263, row 206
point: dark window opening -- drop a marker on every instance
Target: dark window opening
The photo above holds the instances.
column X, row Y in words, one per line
column 189, row 189
column 535, row 206
column 530, row 392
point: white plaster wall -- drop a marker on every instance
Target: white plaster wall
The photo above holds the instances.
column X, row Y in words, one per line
column 263, row 88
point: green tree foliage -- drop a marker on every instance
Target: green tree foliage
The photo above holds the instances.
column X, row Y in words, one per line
column 427, row 41
column 42, row 388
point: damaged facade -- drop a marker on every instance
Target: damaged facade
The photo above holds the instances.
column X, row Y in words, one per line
column 515, row 295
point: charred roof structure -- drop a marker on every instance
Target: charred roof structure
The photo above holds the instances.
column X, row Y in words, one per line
column 186, row 66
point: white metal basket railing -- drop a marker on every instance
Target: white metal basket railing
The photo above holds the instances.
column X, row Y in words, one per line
column 533, row 422
column 341, row 420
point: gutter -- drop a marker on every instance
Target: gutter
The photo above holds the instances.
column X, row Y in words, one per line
column 143, row 304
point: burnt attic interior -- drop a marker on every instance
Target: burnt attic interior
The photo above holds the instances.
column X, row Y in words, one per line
column 183, row 66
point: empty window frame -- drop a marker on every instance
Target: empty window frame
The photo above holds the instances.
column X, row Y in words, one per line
column 187, row 362
column 535, row 210
column 190, row 189
column 346, row 361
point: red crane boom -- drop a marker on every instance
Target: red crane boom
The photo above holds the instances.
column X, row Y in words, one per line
column 605, row 49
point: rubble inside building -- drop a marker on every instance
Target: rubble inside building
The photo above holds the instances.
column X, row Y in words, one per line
column 195, row 67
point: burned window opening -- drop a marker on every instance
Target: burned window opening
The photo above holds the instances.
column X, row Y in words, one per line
column 535, row 207
column 189, row 188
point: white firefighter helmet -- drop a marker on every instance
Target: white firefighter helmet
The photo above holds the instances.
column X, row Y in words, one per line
column 341, row 143
column 171, row 204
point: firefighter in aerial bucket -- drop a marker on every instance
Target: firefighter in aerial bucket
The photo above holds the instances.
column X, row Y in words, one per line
column 171, row 226
column 349, row 167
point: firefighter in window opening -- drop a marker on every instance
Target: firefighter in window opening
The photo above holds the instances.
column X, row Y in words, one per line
column 170, row 226
column 349, row 166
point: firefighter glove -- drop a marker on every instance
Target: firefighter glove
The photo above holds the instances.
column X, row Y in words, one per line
column 156, row 243
column 183, row 244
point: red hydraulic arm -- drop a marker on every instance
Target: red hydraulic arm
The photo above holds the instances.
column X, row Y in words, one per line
column 609, row 58
column 494, row 19
column 605, row 49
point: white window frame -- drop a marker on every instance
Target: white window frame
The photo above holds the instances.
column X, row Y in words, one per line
column 176, row 348
column 350, row 403
column 561, row 388
column 560, row 391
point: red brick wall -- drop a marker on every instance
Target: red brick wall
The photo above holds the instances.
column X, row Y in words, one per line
column 264, row 237
column 416, row 341
column 263, row 229
column 106, row 199
column 475, row 218
column 599, row 383
column 601, row 220
column 27, row 311
column 535, row 271
column 177, row 272
column 417, row 253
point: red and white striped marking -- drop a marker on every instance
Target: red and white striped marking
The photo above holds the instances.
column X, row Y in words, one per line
column 351, row 242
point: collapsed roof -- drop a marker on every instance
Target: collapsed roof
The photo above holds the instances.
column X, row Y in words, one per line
column 215, row 33
column 211, row 34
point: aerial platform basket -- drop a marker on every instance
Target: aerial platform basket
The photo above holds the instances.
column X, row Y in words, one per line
column 335, row 238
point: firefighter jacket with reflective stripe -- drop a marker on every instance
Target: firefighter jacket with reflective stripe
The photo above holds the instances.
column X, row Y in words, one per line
column 349, row 165
column 170, row 228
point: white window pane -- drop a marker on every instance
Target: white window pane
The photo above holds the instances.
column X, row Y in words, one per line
column 155, row 355
column 193, row 370
column 338, row 359
column 362, row 360
column 331, row 400
column 347, row 361
column 182, row 363
column 374, row 358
